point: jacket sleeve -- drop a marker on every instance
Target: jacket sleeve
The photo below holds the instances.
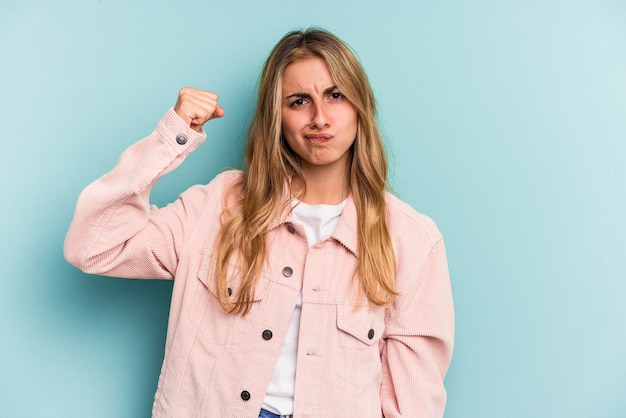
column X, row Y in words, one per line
column 418, row 342
column 115, row 231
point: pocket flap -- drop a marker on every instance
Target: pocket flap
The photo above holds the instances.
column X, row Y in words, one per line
column 206, row 275
column 366, row 324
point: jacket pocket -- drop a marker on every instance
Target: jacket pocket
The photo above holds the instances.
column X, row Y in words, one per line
column 359, row 331
column 214, row 324
column 366, row 324
column 234, row 279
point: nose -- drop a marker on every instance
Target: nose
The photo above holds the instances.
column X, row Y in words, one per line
column 319, row 118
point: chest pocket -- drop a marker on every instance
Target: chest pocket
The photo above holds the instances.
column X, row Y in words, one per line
column 214, row 324
column 365, row 324
column 359, row 332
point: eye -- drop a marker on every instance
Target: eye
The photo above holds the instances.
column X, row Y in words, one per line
column 336, row 95
column 298, row 102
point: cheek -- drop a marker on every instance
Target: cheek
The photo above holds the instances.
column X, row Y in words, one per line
column 289, row 123
column 351, row 122
column 348, row 115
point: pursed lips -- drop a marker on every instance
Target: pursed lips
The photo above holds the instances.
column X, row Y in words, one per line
column 318, row 138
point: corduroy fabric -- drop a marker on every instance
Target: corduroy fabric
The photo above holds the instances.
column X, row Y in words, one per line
column 353, row 361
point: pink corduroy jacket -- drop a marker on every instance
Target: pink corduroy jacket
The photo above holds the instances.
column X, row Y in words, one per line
column 353, row 362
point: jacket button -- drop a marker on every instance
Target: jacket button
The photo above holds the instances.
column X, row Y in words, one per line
column 245, row 395
column 287, row 271
column 181, row 139
column 370, row 334
column 267, row 334
column 291, row 228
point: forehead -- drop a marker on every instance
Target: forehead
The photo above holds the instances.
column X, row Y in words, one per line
column 308, row 74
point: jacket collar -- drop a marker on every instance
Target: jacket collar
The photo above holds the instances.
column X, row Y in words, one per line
column 346, row 232
column 347, row 229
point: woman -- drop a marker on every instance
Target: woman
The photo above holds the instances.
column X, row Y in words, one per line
column 301, row 286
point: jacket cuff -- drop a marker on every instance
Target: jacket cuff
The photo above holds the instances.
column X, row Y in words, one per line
column 175, row 132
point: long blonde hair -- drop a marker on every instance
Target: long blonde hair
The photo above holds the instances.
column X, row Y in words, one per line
column 270, row 163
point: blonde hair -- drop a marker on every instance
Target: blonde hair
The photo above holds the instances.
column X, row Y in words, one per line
column 270, row 163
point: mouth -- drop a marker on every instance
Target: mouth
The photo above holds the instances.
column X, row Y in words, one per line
column 318, row 138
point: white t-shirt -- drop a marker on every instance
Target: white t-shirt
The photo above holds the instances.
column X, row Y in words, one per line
column 319, row 222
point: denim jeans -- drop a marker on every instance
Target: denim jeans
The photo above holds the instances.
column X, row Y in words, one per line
column 268, row 414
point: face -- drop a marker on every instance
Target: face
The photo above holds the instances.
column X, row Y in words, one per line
column 318, row 122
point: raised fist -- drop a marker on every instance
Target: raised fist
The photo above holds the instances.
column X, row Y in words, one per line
column 196, row 107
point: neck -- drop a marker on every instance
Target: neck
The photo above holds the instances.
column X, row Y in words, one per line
column 322, row 188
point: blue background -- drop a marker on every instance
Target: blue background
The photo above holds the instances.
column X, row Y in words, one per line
column 506, row 123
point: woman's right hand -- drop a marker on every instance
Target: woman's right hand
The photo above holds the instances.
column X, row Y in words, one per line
column 196, row 107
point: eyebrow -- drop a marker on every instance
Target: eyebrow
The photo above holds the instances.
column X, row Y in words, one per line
column 308, row 96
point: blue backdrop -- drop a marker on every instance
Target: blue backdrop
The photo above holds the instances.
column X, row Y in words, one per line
column 506, row 123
